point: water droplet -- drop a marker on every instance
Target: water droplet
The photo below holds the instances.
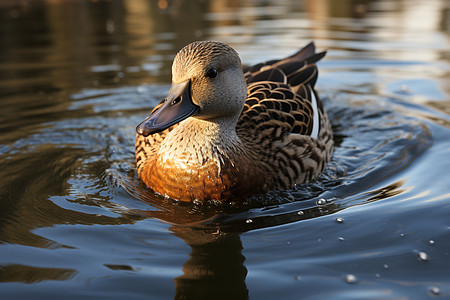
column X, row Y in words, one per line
column 377, row 275
column 350, row 278
column 422, row 256
column 321, row 201
column 386, row 266
column 435, row 290
column 300, row 213
column 431, row 242
column 402, row 234
column 319, row 239
column 288, row 242
column 248, row 221
column 339, row 220
column 341, row 238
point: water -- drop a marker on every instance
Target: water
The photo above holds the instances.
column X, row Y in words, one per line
column 76, row 77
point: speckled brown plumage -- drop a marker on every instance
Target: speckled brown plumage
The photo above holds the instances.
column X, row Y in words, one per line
column 280, row 137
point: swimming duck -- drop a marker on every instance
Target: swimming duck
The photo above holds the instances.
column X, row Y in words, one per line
column 228, row 131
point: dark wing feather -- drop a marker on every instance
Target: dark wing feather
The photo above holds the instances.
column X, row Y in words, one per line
column 271, row 74
column 290, row 66
column 276, row 107
column 279, row 93
column 277, row 118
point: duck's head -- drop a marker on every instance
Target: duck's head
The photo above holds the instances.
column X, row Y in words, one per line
column 207, row 83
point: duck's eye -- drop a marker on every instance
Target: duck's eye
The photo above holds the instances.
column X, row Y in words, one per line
column 212, row 73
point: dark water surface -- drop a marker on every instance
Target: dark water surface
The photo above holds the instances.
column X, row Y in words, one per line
column 76, row 77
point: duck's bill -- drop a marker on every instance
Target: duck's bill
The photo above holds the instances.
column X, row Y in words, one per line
column 177, row 106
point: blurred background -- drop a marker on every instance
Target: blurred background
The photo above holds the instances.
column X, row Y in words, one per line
column 59, row 44
column 76, row 77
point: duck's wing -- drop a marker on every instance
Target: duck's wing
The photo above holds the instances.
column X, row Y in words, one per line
column 280, row 94
column 283, row 119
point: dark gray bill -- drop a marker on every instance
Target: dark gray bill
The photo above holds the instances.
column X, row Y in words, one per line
column 177, row 106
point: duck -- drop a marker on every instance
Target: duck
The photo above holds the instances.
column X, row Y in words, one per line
column 228, row 131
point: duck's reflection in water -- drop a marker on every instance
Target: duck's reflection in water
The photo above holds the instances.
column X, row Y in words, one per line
column 215, row 269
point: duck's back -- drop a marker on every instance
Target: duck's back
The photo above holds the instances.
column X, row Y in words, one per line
column 283, row 120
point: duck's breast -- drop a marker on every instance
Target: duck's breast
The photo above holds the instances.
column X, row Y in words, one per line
column 224, row 181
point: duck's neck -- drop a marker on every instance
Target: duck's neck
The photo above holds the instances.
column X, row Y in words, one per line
column 195, row 142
